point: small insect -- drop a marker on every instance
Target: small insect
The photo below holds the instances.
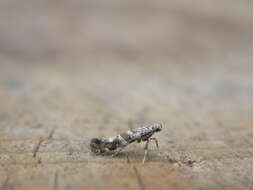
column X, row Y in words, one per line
column 114, row 145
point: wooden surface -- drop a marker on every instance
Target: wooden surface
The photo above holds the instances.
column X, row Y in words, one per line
column 188, row 66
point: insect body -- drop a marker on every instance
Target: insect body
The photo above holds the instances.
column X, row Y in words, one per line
column 116, row 144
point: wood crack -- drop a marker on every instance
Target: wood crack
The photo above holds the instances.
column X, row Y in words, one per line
column 139, row 179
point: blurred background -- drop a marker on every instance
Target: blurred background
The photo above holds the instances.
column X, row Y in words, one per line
column 126, row 57
column 78, row 69
column 131, row 31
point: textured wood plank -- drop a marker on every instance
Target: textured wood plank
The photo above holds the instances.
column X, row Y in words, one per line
column 186, row 65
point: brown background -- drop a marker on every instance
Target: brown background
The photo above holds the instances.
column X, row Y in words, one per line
column 73, row 70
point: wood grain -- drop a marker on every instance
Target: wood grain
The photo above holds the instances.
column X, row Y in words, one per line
column 115, row 67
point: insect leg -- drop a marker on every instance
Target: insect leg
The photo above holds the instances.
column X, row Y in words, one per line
column 156, row 141
column 146, row 152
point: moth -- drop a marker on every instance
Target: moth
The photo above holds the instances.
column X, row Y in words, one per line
column 114, row 145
